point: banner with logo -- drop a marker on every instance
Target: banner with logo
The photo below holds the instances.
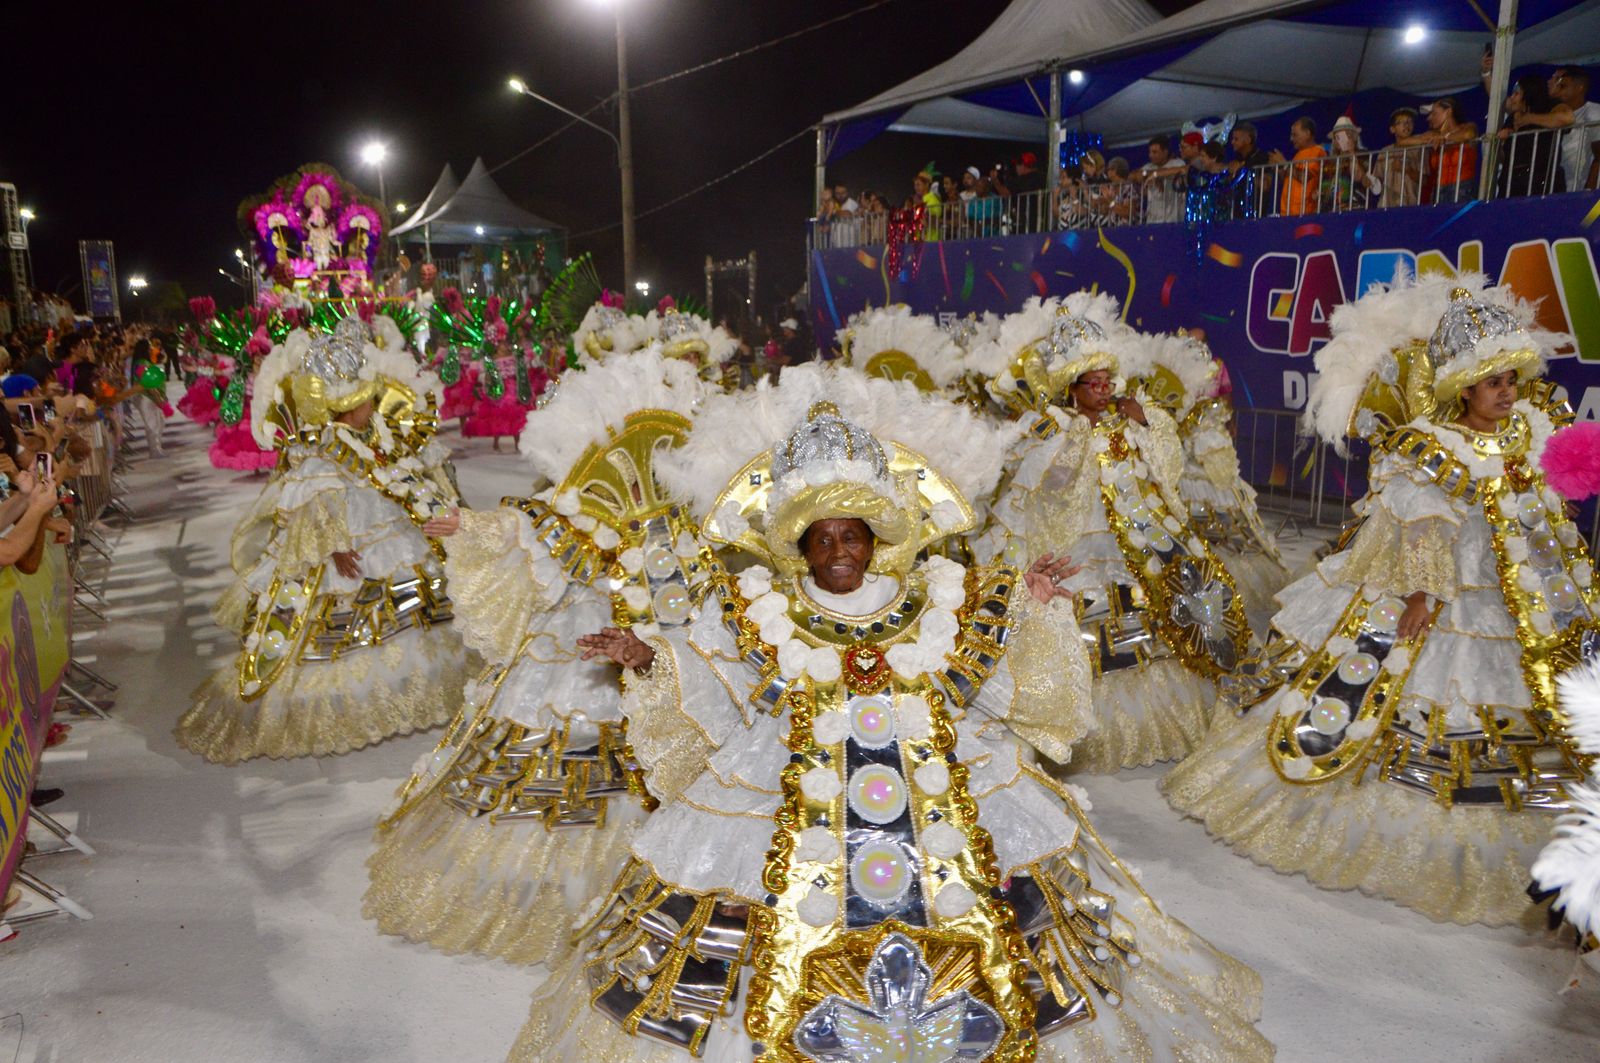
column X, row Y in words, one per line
column 35, row 611
column 1262, row 290
column 99, row 263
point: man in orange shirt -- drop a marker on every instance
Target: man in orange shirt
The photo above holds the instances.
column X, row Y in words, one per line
column 1301, row 190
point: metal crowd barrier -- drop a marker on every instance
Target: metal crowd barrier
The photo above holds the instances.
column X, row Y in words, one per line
column 1526, row 163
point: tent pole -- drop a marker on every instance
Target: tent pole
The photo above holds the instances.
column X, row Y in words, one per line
column 1505, row 35
column 1053, row 136
column 821, row 179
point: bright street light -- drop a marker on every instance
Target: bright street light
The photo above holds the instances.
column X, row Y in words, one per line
column 373, row 153
column 518, row 85
column 478, row 229
column 399, row 208
column 1414, row 34
column 642, row 287
column 238, row 254
column 137, row 283
column 28, row 214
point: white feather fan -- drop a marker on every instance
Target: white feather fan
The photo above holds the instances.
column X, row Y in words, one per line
column 730, row 429
column 587, row 404
column 896, row 328
column 1570, row 863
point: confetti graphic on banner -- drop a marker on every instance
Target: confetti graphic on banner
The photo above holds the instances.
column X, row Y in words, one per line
column 1310, row 228
column 1361, row 231
column 1220, row 254
column 966, row 281
column 1166, row 289
column 1117, row 253
column 1046, row 246
column 1594, row 212
column 944, row 271
column 1285, row 303
column 869, row 261
column 827, row 289
column 1457, row 216
column 1039, row 283
column 996, row 282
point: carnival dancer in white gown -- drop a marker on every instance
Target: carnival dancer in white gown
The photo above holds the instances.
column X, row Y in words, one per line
column 1569, row 865
column 1177, row 372
column 346, row 639
column 858, row 860
column 1413, row 749
column 524, row 811
column 1097, row 476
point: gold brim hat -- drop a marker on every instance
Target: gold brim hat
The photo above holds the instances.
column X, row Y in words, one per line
column 1476, row 340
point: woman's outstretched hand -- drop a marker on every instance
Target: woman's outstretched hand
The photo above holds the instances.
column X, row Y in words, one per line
column 1044, row 578
column 621, row 646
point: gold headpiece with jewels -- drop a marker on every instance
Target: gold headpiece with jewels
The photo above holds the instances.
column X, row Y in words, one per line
column 828, row 468
column 680, row 338
column 1476, row 340
column 329, row 379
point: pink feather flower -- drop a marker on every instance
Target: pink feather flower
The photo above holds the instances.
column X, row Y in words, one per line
column 1571, row 461
column 259, row 345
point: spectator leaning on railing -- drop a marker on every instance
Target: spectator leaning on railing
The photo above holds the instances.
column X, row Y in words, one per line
column 1353, row 186
column 1400, row 167
column 1451, row 167
column 1577, row 115
column 1300, row 190
column 1162, row 182
column 1527, row 164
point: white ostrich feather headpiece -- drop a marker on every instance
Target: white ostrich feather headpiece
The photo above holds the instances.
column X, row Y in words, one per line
column 896, row 328
column 1371, row 343
column 584, row 407
column 961, row 451
column 1174, row 369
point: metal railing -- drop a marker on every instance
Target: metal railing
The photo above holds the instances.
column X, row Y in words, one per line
column 1527, row 163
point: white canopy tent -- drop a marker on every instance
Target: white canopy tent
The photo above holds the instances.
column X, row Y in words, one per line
column 1134, row 75
column 478, row 212
column 437, row 196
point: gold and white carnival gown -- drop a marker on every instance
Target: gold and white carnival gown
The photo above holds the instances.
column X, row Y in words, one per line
column 1156, row 606
column 1222, row 508
column 853, row 852
column 329, row 663
column 1421, row 771
column 525, row 809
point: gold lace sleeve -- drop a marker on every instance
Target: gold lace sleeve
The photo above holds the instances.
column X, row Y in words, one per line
column 496, row 586
column 1161, row 448
column 1050, row 706
column 663, row 738
column 1403, row 557
column 313, row 532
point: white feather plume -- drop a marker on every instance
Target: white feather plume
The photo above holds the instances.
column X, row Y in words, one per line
column 1390, row 315
column 896, row 328
column 1579, row 691
column 628, row 334
column 720, row 345
column 1029, row 323
column 586, row 405
column 1570, row 862
column 283, row 361
column 731, row 428
column 1184, row 356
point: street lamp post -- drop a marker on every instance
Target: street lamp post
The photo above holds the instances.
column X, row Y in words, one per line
column 624, row 151
column 622, row 138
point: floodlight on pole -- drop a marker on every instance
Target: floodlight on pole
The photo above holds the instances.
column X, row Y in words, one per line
column 642, row 287
column 137, row 283
column 27, row 214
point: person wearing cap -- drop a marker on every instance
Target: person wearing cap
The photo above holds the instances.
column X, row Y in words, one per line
column 1575, row 113
column 1028, row 177
column 1300, row 189
column 1406, row 738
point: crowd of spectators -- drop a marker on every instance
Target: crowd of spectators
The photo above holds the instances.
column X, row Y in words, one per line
column 1549, row 141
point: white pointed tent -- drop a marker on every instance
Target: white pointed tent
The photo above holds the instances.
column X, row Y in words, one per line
column 438, row 196
column 478, row 212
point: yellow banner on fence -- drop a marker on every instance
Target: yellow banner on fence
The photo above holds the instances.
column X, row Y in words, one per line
column 35, row 644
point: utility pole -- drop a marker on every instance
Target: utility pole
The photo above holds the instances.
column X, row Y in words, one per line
column 625, row 155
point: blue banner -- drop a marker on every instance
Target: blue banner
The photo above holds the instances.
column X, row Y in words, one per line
column 99, row 278
column 1261, row 290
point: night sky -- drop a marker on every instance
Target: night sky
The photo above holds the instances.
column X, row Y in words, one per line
column 147, row 123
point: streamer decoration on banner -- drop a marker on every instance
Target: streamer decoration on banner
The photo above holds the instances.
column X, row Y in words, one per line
column 1127, row 263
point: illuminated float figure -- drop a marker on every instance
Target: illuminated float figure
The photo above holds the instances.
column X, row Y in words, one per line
column 1097, row 475
column 854, row 857
column 527, row 806
column 1402, row 734
column 345, row 616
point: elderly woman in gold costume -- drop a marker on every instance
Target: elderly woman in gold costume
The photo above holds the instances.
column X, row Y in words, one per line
column 854, row 854
column 1405, row 737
